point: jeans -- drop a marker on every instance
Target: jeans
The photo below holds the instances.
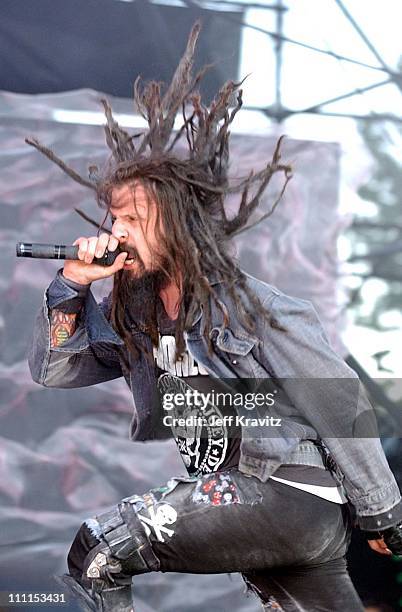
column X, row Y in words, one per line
column 289, row 545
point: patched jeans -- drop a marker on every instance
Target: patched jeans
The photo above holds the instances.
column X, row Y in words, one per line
column 289, row 545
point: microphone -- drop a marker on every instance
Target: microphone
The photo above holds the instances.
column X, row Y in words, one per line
column 61, row 251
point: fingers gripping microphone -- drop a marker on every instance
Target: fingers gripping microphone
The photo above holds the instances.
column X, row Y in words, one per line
column 61, row 251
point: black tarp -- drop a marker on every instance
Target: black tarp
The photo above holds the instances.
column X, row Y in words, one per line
column 57, row 45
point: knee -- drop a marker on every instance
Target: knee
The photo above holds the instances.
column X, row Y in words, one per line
column 112, row 547
column 83, row 543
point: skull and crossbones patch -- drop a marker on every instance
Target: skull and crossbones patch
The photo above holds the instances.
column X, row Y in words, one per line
column 160, row 515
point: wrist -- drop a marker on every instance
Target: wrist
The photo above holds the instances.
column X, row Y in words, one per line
column 73, row 279
column 80, row 289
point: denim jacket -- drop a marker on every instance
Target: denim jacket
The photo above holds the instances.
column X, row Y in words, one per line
column 318, row 389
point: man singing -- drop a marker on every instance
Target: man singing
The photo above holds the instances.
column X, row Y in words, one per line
column 242, row 376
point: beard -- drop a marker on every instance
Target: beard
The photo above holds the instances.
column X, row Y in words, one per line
column 137, row 294
column 149, row 282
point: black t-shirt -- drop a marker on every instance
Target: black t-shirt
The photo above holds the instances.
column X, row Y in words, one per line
column 203, row 446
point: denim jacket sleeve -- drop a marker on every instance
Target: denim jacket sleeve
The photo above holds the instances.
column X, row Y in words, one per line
column 88, row 357
column 329, row 395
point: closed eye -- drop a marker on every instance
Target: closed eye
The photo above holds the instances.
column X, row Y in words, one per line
column 127, row 217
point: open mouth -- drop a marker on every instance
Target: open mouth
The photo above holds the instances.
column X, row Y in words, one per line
column 131, row 258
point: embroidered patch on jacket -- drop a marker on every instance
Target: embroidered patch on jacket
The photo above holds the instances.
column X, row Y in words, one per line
column 217, row 489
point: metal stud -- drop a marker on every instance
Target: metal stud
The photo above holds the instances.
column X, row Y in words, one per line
column 100, row 559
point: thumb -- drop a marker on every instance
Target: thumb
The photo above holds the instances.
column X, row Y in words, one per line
column 118, row 262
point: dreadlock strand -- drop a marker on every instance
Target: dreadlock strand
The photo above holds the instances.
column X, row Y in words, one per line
column 59, row 162
column 181, row 131
column 91, row 221
column 237, row 221
column 137, row 95
column 118, row 140
column 288, row 176
column 182, row 77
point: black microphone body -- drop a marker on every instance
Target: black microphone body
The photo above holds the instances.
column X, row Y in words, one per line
column 61, row 251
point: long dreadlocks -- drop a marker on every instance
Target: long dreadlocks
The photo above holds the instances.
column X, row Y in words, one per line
column 189, row 192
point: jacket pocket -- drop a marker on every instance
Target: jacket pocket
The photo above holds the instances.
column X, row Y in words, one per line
column 237, row 352
column 241, row 344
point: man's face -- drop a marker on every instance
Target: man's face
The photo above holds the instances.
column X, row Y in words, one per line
column 134, row 223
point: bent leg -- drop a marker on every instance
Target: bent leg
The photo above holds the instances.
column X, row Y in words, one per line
column 219, row 523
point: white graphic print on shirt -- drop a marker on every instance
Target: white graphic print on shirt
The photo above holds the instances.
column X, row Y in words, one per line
column 204, row 448
column 164, row 358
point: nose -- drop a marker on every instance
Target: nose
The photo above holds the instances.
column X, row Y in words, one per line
column 119, row 231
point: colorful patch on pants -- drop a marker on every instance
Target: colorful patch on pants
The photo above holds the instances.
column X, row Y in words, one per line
column 217, row 489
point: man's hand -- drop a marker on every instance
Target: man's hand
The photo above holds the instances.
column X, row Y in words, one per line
column 379, row 546
column 390, row 542
column 83, row 271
